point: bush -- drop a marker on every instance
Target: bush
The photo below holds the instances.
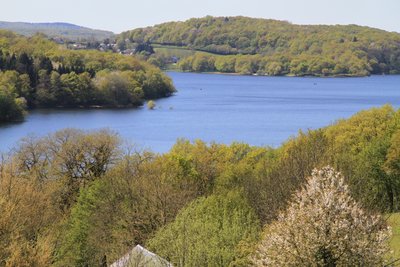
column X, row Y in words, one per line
column 151, row 104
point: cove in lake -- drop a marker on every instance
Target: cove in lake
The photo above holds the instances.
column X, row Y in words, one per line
column 223, row 108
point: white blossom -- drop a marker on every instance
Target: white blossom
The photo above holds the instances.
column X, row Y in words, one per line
column 324, row 226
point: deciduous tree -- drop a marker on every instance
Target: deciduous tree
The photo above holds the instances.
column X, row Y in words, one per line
column 324, row 226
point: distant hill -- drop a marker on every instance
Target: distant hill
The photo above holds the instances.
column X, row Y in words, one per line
column 57, row 29
column 276, row 47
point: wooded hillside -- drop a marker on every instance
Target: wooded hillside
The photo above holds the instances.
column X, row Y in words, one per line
column 277, row 47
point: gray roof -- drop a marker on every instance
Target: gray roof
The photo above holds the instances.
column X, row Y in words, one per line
column 141, row 257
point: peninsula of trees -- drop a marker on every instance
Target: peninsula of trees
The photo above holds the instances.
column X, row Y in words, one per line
column 35, row 72
column 270, row 47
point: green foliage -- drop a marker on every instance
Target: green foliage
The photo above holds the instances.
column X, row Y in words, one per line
column 392, row 163
column 12, row 107
column 203, row 63
column 119, row 88
column 359, row 147
column 298, row 49
column 224, row 64
column 90, row 200
column 76, row 246
column 394, row 222
column 47, row 75
column 207, row 231
column 76, row 89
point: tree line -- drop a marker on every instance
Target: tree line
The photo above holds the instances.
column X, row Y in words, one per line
column 35, row 72
column 89, row 198
column 277, row 65
column 278, row 47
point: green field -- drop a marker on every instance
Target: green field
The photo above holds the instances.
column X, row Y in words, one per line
column 180, row 52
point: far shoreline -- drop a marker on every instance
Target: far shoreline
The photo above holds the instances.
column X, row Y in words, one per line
column 285, row 75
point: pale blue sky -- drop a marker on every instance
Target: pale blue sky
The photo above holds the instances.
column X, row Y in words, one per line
column 121, row 15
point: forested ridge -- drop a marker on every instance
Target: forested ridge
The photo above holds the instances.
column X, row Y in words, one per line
column 78, row 198
column 272, row 47
column 35, row 72
column 57, row 30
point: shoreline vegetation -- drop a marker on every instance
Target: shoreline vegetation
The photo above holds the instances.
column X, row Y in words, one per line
column 89, row 198
column 261, row 46
column 38, row 73
column 286, row 75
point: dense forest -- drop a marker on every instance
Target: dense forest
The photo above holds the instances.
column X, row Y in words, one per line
column 78, row 198
column 35, row 72
column 270, row 47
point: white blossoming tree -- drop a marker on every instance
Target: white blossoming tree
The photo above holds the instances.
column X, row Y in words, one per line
column 324, row 226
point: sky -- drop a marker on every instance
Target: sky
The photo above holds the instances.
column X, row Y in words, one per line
column 122, row 15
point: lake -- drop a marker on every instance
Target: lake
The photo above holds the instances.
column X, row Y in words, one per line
column 223, row 108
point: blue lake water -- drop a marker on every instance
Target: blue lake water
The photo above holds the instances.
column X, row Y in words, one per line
column 223, row 108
